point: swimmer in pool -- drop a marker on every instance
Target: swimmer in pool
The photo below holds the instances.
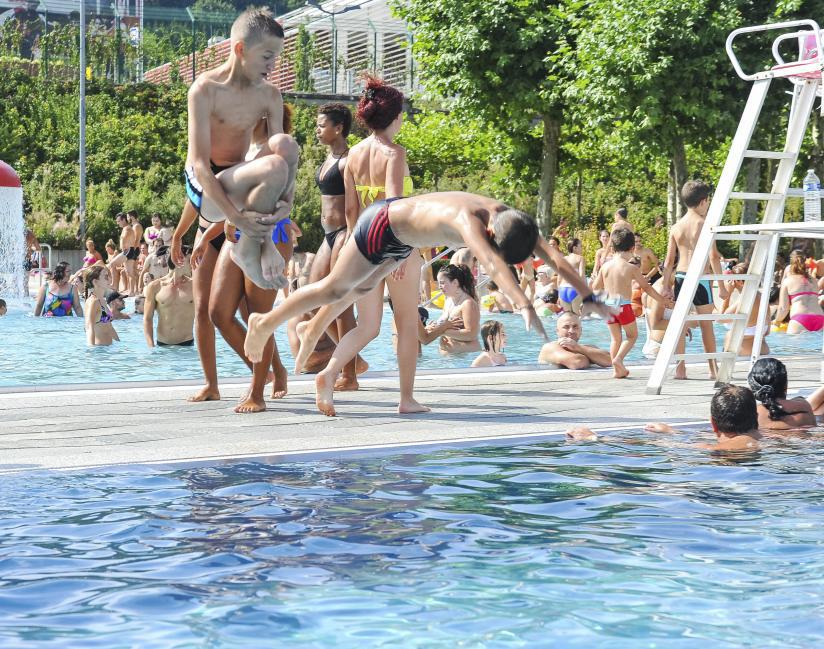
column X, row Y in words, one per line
column 172, row 298
column 494, row 339
column 617, row 277
column 567, row 352
column 460, row 305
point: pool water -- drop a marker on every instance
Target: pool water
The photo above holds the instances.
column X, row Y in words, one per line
column 39, row 351
column 618, row 543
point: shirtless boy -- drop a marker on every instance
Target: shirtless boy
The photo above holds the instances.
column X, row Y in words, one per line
column 172, row 298
column 225, row 105
column 127, row 257
column 617, row 277
column 683, row 238
column 386, row 234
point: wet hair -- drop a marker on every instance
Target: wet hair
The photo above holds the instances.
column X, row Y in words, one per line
column 464, row 277
column 490, row 329
column 339, row 114
column 572, row 243
column 768, row 381
column 733, row 409
column 622, row 212
column 379, row 105
column 798, row 263
column 515, row 234
column 253, row 25
column 92, row 275
column 623, row 240
column 695, row 191
column 59, row 273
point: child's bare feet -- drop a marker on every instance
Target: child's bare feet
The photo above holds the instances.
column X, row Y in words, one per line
column 246, row 253
column 619, row 370
column 324, row 394
column 680, row 371
column 279, row 385
column 713, row 370
column 410, row 407
column 205, row 394
column 271, row 262
column 346, row 384
column 581, row 434
column 251, row 404
column 657, row 427
column 256, row 338
column 307, row 344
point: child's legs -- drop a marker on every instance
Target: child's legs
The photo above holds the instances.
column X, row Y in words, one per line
column 204, row 329
column 256, row 185
column 227, row 292
column 370, row 313
column 707, row 334
column 352, row 276
column 405, row 295
column 615, row 339
column 631, row 332
column 259, row 300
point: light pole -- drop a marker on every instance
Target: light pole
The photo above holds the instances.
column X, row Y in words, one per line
column 192, row 18
column 82, row 117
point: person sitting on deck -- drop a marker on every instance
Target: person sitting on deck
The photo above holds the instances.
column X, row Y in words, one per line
column 567, row 352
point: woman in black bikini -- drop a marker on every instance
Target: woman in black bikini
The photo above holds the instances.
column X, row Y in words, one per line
column 332, row 128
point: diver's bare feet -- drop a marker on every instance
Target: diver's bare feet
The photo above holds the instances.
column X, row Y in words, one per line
column 361, row 365
column 619, row 370
column 279, row 389
column 680, row 372
column 410, row 407
column 325, row 394
column 346, row 384
column 713, row 370
column 251, row 404
column 205, row 394
column 307, row 345
column 256, row 338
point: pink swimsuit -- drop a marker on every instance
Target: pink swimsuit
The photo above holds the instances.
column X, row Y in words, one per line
column 810, row 321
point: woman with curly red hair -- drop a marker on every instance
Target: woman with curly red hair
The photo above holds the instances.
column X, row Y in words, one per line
column 376, row 171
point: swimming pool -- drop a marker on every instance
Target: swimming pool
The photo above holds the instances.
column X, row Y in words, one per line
column 43, row 351
column 614, row 544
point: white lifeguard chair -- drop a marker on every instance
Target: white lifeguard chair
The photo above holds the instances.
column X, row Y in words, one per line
column 807, row 76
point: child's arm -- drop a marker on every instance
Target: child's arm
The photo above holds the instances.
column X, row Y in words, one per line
column 645, row 286
column 715, row 264
column 669, row 261
column 476, row 240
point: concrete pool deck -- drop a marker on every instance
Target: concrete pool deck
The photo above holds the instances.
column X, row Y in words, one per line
column 77, row 428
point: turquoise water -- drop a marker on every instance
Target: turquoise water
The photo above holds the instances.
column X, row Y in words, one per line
column 38, row 351
column 545, row 544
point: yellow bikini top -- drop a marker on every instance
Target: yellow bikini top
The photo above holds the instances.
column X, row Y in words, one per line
column 370, row 193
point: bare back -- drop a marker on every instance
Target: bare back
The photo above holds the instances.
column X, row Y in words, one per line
column 685, row 235
column 371, row 164
column 617, row 276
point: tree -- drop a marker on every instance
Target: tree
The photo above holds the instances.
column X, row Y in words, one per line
column 656, row 72
column 496, row 59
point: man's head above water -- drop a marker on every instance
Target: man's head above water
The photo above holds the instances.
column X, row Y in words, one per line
column 569, row 326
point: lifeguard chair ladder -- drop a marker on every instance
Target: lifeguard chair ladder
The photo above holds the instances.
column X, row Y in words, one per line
column 807, row 76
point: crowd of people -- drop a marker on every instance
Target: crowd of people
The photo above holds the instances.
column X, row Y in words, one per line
column 240, row 182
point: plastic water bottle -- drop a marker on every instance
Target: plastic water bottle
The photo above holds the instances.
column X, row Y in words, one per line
column 812, row 197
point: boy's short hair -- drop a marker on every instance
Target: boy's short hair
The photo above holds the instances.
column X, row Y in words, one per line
column 623, row 240
column 695, row 191
column 119, row 216
column 733, row 409
column 515, row 234
column 254, row 24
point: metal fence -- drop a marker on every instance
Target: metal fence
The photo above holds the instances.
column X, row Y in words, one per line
column 327, row 45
